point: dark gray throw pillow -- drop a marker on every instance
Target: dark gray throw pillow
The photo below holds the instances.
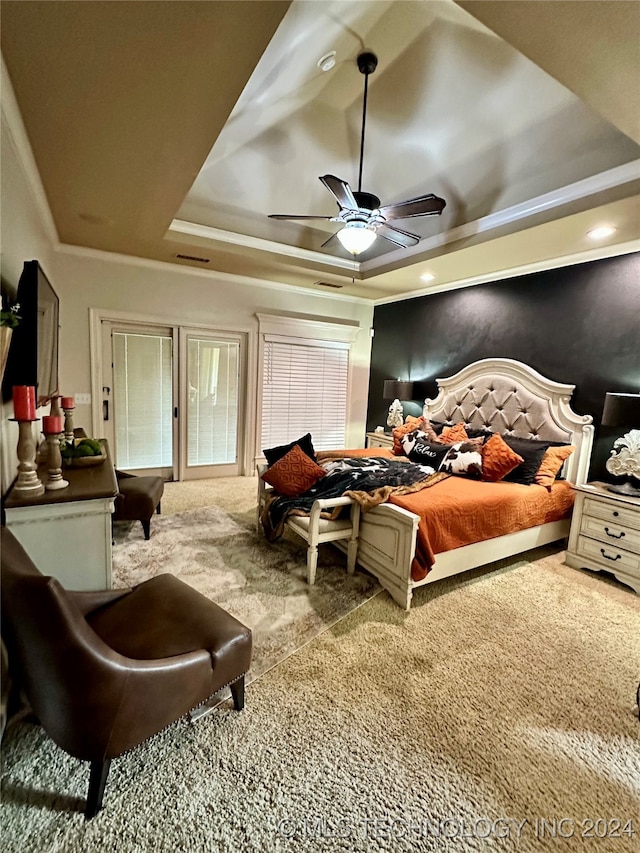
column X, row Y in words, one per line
column 273, row 454
column 532, row 450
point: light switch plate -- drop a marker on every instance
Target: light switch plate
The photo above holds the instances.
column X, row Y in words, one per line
column 83, row 399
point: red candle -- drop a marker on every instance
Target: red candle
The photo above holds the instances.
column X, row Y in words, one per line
column 24, row 402
column 67, row 403
column 52, row 424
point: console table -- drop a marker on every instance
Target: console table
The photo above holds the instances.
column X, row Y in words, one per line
column 67, row 533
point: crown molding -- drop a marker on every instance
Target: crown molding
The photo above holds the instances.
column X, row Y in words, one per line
column 596, row 254
column 223, row 277
column 618, row 176
column 217, row 235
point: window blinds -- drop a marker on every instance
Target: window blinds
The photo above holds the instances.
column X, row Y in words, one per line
column 143, row 400
column 304, row 389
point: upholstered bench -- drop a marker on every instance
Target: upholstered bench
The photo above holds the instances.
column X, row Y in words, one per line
column 138, row 498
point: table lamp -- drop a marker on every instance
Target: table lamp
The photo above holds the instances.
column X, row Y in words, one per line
column 623, row 410
column 396, row 390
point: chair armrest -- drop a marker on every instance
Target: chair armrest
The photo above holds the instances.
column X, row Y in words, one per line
column 90, row 601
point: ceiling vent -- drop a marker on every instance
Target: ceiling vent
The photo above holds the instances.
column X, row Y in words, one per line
column 193, row 258
column 328, row 284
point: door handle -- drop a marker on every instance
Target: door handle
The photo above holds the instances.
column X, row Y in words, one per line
column 105, row 410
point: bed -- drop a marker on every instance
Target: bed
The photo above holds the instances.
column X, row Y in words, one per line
column 497, row 394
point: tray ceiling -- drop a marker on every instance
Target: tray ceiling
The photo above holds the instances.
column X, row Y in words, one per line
column 174, row 128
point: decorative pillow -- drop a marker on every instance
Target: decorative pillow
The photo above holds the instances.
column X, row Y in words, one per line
column 532, row 452
column 410, row 425
column 464, row 458
column 552, row 462
column 428, row 453
column 272, row 454
column 498, row 459
column 294, row 473
column 452, row 434
column 479, row 432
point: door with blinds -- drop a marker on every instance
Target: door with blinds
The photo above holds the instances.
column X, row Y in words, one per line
column 139, row 389
column 212, row 393
column 304, row 389
column 172, row 399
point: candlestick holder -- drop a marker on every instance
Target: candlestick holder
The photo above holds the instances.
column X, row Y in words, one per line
column 68, row 424
column 54, row 463
column 55, row 405
column 27, row 484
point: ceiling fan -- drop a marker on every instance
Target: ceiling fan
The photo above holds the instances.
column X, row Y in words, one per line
column 360, row 212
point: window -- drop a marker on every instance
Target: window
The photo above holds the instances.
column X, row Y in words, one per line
column 304, row 389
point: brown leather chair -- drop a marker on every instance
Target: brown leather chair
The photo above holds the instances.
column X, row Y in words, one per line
column 138, row 498
column 104, row 671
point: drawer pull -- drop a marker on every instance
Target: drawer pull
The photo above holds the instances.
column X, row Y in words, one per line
column 614, row 535
column 607, row 557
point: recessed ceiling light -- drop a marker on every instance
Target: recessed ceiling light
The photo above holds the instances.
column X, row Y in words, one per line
column 601, row 233
column 326, row 62
column 428, row 276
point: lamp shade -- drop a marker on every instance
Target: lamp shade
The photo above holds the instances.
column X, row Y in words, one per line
column 397, row 389
column 621, row 410
column 356, row 237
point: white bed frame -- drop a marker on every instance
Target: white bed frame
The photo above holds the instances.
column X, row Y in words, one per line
column 506, row 396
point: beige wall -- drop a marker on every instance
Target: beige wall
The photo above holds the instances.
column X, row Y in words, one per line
column 23, row 237
column 84, row 280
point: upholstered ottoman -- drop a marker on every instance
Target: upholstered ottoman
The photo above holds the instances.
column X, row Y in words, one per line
column 138, row 499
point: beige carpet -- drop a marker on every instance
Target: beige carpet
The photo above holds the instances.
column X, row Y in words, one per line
column 262, row 584
column 503, row 699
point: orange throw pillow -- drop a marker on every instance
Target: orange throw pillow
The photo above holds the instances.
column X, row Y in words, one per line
column 451, row 435
column 552, row 462
column 412, row 423
column 498, row 459
column 294, row 474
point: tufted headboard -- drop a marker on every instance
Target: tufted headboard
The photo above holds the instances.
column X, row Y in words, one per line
column 509, row 397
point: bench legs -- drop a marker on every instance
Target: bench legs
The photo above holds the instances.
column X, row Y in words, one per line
column 312, row 564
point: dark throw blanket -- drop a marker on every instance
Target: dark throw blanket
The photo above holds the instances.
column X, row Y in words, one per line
column 369, row 481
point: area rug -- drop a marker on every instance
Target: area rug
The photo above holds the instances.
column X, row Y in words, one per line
column 495, row 715
column 263, row 585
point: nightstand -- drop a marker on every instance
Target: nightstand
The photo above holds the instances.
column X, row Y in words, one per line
column 605, row 533
column 379, row 439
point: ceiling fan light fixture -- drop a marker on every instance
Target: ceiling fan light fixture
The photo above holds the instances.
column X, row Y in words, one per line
column 356, row 237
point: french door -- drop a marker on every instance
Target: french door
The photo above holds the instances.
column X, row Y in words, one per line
column 172, row 399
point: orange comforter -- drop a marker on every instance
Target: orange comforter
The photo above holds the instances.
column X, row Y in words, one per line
column 459, row 511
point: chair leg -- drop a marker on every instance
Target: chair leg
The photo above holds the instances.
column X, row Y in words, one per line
column 158, row 507
column 97, row 781
column 146, row 526
column 237, row 691
column 312, row 564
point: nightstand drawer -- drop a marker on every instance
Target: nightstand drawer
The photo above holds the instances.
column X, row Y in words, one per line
column 609, row 556
column 615, row 513
column 611, row 532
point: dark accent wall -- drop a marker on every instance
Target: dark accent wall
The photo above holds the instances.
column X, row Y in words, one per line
column 578, row 324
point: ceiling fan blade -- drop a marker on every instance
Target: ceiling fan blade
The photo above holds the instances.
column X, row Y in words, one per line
column 424, row 205
column 341, row 191
column 293, row 216
column 395, row 235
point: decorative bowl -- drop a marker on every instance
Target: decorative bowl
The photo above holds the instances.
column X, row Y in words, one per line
column 83, row 461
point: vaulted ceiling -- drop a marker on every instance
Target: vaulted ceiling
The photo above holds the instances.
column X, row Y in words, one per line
column 162, row 129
